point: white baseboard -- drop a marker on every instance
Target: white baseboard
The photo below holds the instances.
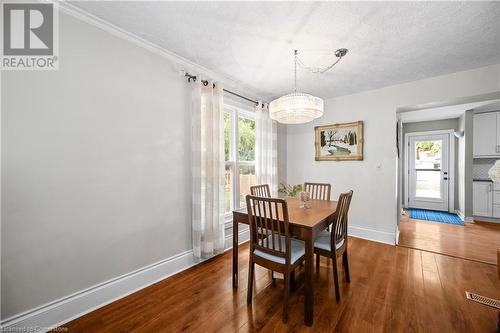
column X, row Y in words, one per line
column 75, row 305
column 486, row 219
column 372, row 234
column 460, row 215
column 65, row 309
column 243, row 236
column 468, row 219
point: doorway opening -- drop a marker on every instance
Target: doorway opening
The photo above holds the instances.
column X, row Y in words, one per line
column 436, row 167
column 429, row 171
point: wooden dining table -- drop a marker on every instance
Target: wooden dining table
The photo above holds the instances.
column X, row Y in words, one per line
column 305, row 224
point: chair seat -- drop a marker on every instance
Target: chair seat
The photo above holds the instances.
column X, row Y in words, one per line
column 297, row 250
column 324, row 241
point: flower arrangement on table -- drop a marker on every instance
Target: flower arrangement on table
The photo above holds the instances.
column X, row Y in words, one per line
column 305, row 198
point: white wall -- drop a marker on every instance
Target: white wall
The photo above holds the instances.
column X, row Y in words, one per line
column 282, row 150
column 373, row 212
column 95, row 169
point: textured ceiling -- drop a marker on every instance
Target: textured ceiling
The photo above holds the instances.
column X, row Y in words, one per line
column 253, row 42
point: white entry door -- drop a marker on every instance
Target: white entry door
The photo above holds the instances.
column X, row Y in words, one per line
column 428, row 171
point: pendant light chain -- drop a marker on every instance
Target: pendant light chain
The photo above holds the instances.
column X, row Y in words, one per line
column 339, row 54
column 295, row 65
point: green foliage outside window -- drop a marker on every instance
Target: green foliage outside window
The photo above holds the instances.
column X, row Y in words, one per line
column 227, row 124
column 246, row 138
column 246, row 133
column 432, row 147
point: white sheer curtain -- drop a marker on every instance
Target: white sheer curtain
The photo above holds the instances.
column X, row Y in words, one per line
column 266, row 149
column 207, row 169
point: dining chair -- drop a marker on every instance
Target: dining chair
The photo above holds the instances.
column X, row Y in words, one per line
column 318, row 191
column 333, row 244
column 261, row 190
column 271, row 245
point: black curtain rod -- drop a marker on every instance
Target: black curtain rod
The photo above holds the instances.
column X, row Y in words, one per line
column 205, row 82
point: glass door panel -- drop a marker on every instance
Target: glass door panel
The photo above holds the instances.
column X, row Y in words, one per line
column 428, row 159
column 428, row 163
column 428, row 184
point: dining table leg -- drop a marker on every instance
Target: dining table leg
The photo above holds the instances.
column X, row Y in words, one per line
column 235, row 253
column 309, row 287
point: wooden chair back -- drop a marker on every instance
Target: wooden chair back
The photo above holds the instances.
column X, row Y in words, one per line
column 267, row 217
column 261, row 190
column 339, row 230
column 318, row 191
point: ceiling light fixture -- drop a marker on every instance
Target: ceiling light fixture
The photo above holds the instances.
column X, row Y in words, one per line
column 300, row 108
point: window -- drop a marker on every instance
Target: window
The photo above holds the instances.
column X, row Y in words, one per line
column 428, row 161
column 239, row 150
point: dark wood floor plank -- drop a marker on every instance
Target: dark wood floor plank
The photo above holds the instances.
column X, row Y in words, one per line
column 392, row 289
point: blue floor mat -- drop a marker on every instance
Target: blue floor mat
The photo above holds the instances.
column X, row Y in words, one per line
column 435, row 216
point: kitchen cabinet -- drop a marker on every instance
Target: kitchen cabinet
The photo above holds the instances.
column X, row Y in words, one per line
column 496, row 202
column 486, row 138
column 496, row 211
column 483, row 199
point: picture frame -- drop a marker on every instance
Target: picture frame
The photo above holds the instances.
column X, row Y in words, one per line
column 339, row 142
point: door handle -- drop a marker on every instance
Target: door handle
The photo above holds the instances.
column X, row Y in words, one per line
column 445, row 178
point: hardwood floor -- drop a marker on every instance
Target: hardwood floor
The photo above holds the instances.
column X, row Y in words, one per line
column 475, row 241
column 392, row 289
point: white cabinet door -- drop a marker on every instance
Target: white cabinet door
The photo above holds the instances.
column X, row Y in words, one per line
column 496, row 202
column 485, row 134
column 496, row 211
column 496, row 197
column 483, row 199
column 498, row 133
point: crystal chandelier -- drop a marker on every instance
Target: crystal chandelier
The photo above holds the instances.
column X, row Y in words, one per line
column 300, row 108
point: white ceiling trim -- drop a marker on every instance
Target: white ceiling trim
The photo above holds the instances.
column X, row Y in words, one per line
column 492, row 97
column 184, row 64
column 440, row 113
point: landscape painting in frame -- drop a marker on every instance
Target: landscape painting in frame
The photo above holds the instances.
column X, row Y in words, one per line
column 339, row 142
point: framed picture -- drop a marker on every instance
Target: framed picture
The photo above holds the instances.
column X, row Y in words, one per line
column 339, row 142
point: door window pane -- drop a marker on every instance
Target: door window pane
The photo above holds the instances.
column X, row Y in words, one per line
column 428, row 154
column 247, row 179
column 428, row 163
column 246, row 139
column 428, row 184
column 228, row 189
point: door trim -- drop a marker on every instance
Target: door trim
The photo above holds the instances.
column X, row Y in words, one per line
column 451, row 167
